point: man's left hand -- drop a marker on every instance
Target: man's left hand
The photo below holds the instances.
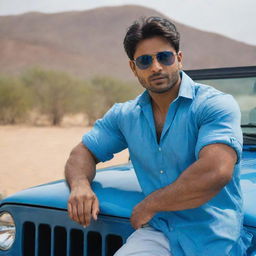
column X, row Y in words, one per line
column 141, row 215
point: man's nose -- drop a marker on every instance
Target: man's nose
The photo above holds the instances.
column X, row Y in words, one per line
column 156, row 66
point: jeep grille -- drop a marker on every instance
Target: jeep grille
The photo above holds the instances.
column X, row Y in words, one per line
column 43, row 240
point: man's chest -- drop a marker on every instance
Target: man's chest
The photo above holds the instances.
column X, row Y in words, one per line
column 171, row 139
column 159, row 120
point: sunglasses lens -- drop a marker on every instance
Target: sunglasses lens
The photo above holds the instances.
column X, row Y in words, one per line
column 144, row 61
column 165, row 58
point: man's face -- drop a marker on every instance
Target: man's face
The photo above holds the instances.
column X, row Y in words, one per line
column 157, row 78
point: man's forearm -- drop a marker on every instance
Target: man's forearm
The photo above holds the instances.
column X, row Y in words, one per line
column 80, row 171
column 197, row 184
column 80, row 167
column 188, row 191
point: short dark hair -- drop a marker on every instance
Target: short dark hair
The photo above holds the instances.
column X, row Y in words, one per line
column 145, row 28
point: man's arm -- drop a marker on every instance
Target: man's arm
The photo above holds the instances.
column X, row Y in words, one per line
column 196, row 185
column 79, row 172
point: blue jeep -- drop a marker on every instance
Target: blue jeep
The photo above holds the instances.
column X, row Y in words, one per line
column 34, row 222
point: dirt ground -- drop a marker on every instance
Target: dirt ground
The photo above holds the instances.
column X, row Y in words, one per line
column 31, row 156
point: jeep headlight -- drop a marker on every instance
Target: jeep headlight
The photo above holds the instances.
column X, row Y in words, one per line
column 7, row 231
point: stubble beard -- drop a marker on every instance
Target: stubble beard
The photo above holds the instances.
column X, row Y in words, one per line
column 172, row 80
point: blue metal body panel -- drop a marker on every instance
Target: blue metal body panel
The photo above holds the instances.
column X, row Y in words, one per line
column 113, row 185
column 53, row 218
column 248, row 184
column 249, row 191
column 117, row 189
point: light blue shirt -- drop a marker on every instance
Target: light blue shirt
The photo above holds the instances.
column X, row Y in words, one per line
column 199, row 116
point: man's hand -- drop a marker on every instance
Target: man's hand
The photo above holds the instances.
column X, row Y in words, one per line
column 141, row 215
column 198, row 184
column 83, row 204
column 80, row 171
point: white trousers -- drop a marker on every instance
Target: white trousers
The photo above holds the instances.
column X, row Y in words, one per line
column 145, row 241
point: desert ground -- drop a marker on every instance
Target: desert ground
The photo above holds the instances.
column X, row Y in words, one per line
column 31, row 156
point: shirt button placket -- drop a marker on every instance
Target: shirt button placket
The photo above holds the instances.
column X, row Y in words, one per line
column 161, row 171
column 162, row 177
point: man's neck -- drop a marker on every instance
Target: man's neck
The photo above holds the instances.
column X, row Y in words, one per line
column 162, row 101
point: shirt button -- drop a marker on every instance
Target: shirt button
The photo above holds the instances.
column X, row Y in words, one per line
column 171, row 228
column 161, row 171
column 160, row 149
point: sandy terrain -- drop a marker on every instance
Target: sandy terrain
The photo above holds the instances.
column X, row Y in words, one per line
column 34, row 155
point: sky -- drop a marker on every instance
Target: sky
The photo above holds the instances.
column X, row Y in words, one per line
column 235, row 19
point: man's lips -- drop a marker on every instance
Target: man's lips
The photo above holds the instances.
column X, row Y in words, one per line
column 157, row 78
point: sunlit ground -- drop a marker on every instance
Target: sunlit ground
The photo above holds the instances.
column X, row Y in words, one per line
column 34, row 155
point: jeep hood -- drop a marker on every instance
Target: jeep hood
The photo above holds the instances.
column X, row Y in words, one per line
column 118, row 191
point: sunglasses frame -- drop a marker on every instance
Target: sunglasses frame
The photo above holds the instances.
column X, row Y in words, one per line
column 154, row 56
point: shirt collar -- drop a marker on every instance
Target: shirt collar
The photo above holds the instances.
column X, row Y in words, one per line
column 186, row 86
column 186, row 90
column 144, row 98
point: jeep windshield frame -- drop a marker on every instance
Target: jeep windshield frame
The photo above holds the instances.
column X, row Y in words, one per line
column 240, row 82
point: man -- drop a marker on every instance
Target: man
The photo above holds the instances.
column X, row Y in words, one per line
column 185, row 143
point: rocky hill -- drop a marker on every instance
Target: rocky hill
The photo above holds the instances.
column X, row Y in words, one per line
column 88, row 43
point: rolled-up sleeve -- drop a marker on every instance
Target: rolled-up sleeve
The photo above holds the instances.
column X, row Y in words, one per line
column 105, row 138
column 219, row 122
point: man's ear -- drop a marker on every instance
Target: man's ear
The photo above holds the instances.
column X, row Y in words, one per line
column 133, row 67
column 180, row 59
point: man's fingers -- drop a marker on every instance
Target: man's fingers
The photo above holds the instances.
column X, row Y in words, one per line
column 81, row 213
column 87, row 212
column 75, row 210
column 136, row 224
column 70, row 210
column 82, row 207
column 95, row 208
column 74, row 213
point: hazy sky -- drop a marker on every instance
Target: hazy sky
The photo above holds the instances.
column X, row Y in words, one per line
column 232, row 18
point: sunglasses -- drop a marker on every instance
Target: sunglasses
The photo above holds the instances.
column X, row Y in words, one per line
column 166, row 58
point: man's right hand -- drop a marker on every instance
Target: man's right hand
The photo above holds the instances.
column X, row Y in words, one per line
column 83, row 204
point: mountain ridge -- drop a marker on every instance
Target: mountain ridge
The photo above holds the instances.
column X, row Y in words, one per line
column 89, row 43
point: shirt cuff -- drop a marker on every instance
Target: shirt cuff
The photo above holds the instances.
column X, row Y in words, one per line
column 229, row 141
column 90, row 144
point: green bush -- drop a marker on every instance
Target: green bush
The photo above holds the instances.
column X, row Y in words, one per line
column 53, row 93
column 101, row 93
column 15, row 101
